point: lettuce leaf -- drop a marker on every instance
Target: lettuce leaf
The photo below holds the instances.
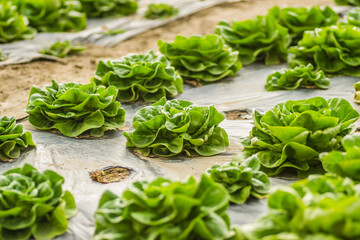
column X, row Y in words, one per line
column 258, row 39
column 162, row 209
column 300, row 19
column 145, row 76
column 331, row 49
column 53, row 15
column 348, row 2
column 293, row 78
column 292, row 134
column 241, row 180
column 357, row 93
column 205, row 58
column 159, row 11
column 13, row 26
column 62, row 49
column 108, row 8
column 74, row 109
column 345, row 164
column 318, row 208
column 168, row 128
column 353, row 16
column 13, row 139
column 33, row 204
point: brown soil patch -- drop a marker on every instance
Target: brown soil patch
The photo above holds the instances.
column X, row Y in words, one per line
column 110, row 174
column 238, row 115
column 17, row 80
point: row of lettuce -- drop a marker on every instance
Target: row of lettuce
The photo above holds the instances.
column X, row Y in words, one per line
column 22, row 19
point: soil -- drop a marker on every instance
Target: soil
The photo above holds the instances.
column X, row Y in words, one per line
column 16, row 80
column 110, row 175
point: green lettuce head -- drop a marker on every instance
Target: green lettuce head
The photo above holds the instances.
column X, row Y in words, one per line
column 62, row 49
column 33, row 204
column 205, row 58
column 13, row 139
column 162, row 209
column 345, row 164
column 13, row 26
column 322, row 207
column 348, row 2
column 168, row 128
column 74, row 109
column 53, row 15
column 258, row 39
column 108, row 8
column 293, row 78
column 332, row 49
column 292, row 134
column 144, row 76
column 357, row 93
column 160, row 11
column 241, row 180
column 353, row 17
column 300, row 19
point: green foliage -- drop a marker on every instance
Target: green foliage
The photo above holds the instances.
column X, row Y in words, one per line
column 292, row 134
column 74, row 109
column 318, row 208
column 162, row 209
column 145, row 76
column 345, row 164
column 348, row 2
column 13, row 139
column 101, row 8
column 33, row 204
column 332, row 49
column 300, row 19
column 241, row 180
column 159, row 11
column 206, row 58
column 13, row 26
column 53, row 15
column 293, row 78
column 63, row 49
column 258, row 39
column 357, row 93
column 168, row 128
column 353, row 16
column 2, row 55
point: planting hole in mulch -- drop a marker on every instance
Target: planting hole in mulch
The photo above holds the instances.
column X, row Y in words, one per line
column 238, row 114
column 110, row 174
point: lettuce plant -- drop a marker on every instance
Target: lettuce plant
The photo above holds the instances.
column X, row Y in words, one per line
column 162, row 209
column 348, row 2
column 144, row 76
column 206, row 58
column 62, row 49
column 53, row 15
column 331, row 49
column 293, row 78
column 13, row 139
column 300, row 19
column 353, row 17
column 168, row 128
column 318, row 208
column 357, row 93
column 33, row 204
column 241, row 180
column 292, row 134
column 345, row 164
column 159, row 11
column 101, row 8
column 13, row 26
column 258, row 39
column 74, row 109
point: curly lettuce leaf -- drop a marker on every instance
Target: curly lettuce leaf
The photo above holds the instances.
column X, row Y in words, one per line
column 159, row 11
column 13, row 26
column 62, row 49
column 357, row 93
column 348, row 2
column 144, row 76
column 205, row 58
column 108, row 8
column 162, row 209
column 331, row 49
column 53, row 15
column 74, row 109
column 293, row 78
column 13, row 139
column 292, row 134
column 33, row 204
column 300, row 19
column 353, row 17
column 258, row 39
column 168, row 128
column 241, row 180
